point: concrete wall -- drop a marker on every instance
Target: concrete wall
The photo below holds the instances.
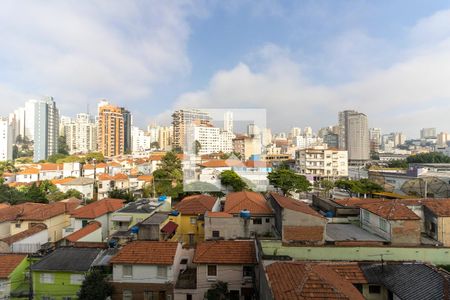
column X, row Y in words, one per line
column 433, row 255
column 235, row 227
column 95, row 236
column 142, row 274
column 55, row 226
column 30, row 244
column 5, row 229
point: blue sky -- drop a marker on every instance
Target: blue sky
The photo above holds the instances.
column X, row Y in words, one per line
column 301, row 60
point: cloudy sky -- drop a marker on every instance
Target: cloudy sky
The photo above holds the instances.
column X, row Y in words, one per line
column 303, row 61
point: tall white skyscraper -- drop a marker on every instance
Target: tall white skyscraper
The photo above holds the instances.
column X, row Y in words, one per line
column 354, row 135
column 80, row 133
column 6, row 140
column 228, row 121
column 46, row 127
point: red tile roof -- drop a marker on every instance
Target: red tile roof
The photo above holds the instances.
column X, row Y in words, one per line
column 358, row 201
column 51, row 167
column 146, row 178
column 391, row 210
column 257, row 164
column 222, row 163
column 218, row 214
column 98, row 208
column 62, row 180
column 52, row 210
column 292, row 204
column 147, row 253
column 9, row 262
column 104, row 176
column 24, row 234
column 20, row 210
column 252, row 201
column 4, row 205
column 169, row 228
column 89, row 228
column 305, row 281
column 195, row 204
column 349, row 271
column 120, row 176
column 225, row 252
column 440, row 208
column 29, row 171
column 303, row 233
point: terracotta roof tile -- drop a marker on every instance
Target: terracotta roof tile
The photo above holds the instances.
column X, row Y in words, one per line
column 24, row 234
column 303, row 233
column 9, row 262
column 440, row 208
column 120, row 176
column 89, row 228
column 257, row 164
column 15, row 211
column 305, row 281
column 349, row 271
column 391, row 210
column 4, row 205
column 62, row 180
column 146, row 178
column 222, row 163
column 225, row 252
column 195, row 204
column 218, row 214
column 357, row 201
column 51, row 167
column 51, row 210
column 147, row 253
column 114, row 164
column 29, row 171
column 296, row 205
column 98, row 208
column 104, row 176
column 254, row 202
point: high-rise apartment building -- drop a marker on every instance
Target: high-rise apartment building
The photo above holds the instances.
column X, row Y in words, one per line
column 127, row 123
column 354, row 135
column 322, row 162
column 228, row 121
column 375, row 139
column 6, row 140
column 165, row 137
column 111, row 130
column 428, row 133
column 80, row 133
column 140, row 140
column 181, row 119
column 442, row 139
column 46, row 127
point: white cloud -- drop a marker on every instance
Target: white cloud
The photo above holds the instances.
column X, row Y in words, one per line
column 410, row 93
column 82, row 51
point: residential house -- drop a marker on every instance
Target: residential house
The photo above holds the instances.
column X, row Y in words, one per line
column 11, row 213
column 28, row 175
column 232, row 262
column 27, row 241
column 55, row 216
column 91, row 233
column 192, row 220
column 59, row 275
column 105, row 184
column 393, row 221
column 49, row 171
column 134, row 213
column 100, row 211
column 437, row 220
column 146, row 270
column 251, row 215
column 12, row 275
column 160, row 226
column 82, row 184
column 296, row 221
column 100, row 168
column 303, row 280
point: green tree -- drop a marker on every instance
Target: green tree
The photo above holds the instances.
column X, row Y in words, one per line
column 398, row 163
column 346, row 185
column 197, row 147
column 47, row 187
column 126, row 195
column 219, row 291
column 327, row 186
column 63, row 148
column 230, row 178
column 432, row 157
column 287, row 181
column 95, row 286
column 357, row 187
column 169, row 177
column 7, row 167
column 56, row 157
column 72, row 193
column 154, row 145
column 35, row 194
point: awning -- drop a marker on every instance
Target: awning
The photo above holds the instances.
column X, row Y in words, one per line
column 118, row 218
column 169, row 228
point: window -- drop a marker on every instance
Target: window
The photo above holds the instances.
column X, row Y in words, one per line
column 216, row 233
column 127, row 271
column 366, row 216
column 234, row 295
column 257, row 221
column 193, row 220
column 47, row 278
column 374, row 289
column 161, row 272
column 84, row 223
column 267, row 220
column 76, row 279
column 188, row 297
column 212, row 270
column 17, row 225
column 149, row 295
column 383, row 225
column 127, row 295
column 247, row 271
column 3, row 285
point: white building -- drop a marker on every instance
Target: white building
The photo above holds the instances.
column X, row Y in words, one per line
column 212, row 139
column 228, row 122
column 354, row 135
column 140, row 140
column 46, row 128
column 322, row 162
column 6, row 140
column 80, row 133
column 302, row 142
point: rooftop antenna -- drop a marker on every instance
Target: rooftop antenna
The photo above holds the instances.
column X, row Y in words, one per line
column 381, row 255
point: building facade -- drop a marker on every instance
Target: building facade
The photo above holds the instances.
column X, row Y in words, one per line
column 320, row 162
column 6, row 140
column 180, row 121
column 354, row 135
column 111, row 130
column 46, row 128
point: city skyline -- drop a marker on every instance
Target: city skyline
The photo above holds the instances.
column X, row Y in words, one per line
column 374, row 61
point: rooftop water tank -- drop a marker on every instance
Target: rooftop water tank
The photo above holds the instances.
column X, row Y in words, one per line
column 245, row 214
column 174, row 213
column 162, row 198
column 135, row 229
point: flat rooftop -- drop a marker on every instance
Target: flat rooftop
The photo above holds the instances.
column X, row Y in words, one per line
column 350, row 232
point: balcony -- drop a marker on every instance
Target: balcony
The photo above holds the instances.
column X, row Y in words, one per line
column 187, row 279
